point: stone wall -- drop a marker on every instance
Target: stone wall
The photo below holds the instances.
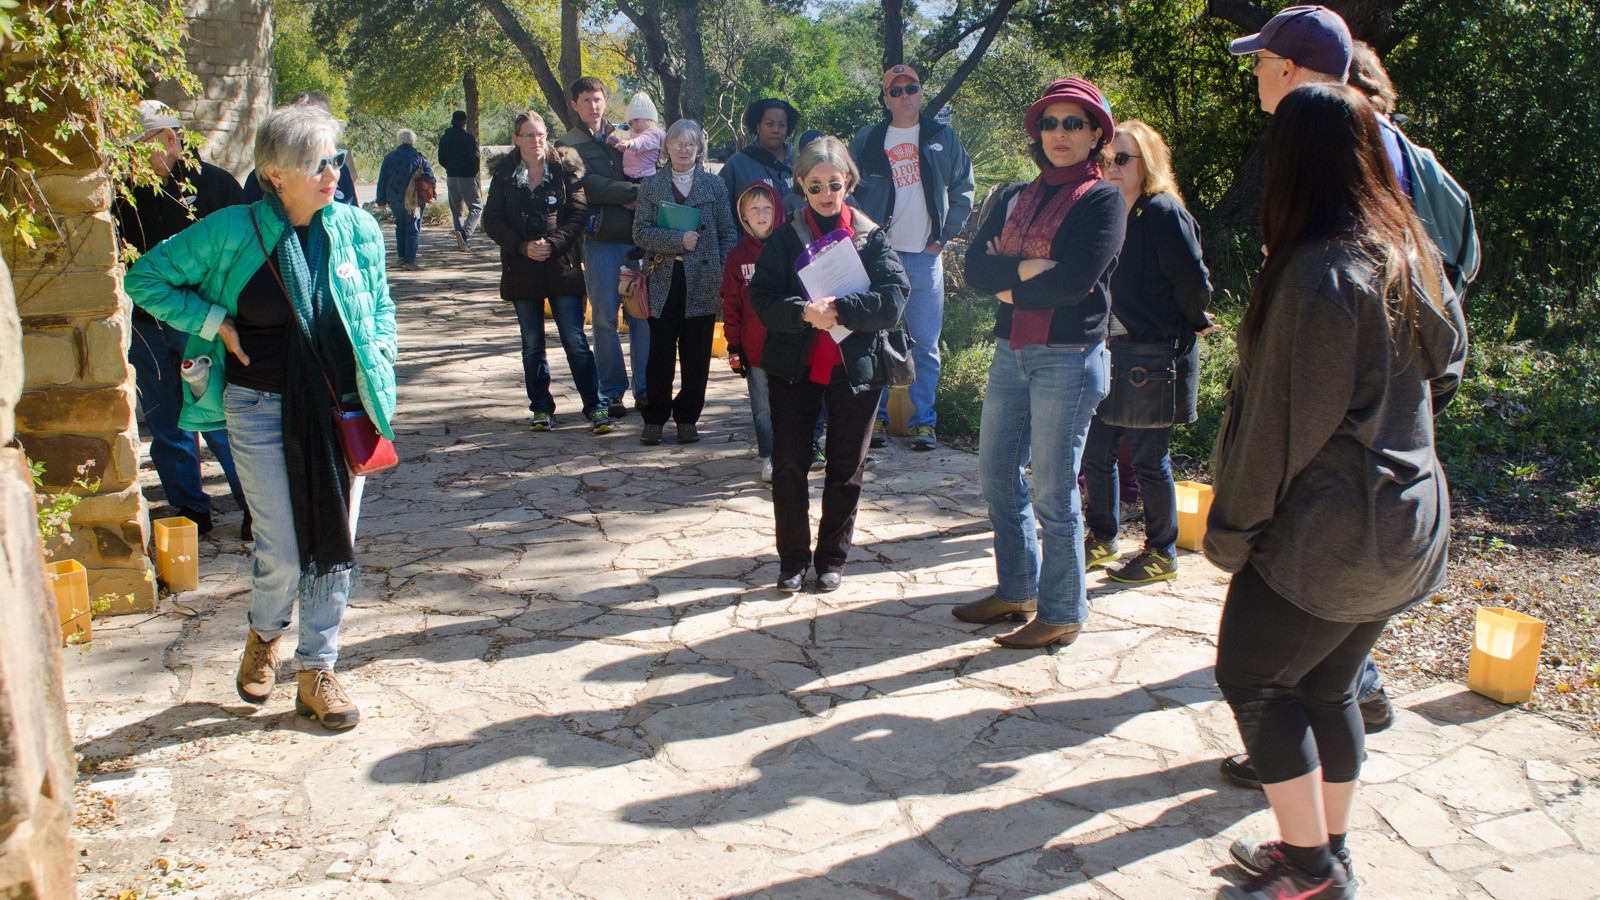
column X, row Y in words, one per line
column 230, row 50
column 36, row 767
column 77, row 405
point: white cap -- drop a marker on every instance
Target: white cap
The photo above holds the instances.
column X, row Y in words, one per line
column 642, row 107
column 154, row 116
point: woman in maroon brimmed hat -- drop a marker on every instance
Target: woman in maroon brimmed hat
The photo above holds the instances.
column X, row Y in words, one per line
column 1047, row 255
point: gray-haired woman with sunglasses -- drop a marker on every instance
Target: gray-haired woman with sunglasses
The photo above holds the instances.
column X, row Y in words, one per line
column 809, row 369
column 288, row 301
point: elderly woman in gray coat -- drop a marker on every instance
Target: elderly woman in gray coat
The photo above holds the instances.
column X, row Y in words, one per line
column 684, row 253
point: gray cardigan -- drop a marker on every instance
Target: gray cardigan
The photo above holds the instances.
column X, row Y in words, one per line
column 702, row 269
column 1326, row 476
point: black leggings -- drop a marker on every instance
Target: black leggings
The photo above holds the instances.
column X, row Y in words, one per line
column 1291, row 680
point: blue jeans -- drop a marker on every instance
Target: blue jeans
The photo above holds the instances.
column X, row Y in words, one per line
column 760, row 411
column 255, row 420
column 407, row 234
column 568, row 313
column 1154, row 468
column 156, row 352
column 602, row 264
column 924, row 319
column 1037, row 408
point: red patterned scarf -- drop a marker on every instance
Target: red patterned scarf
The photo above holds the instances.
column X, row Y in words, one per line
column 1030, row 230
column 824, row 350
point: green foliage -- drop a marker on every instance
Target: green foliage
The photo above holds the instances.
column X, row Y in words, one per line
column 302, row 64
column 75, row 73
column 1505, row 93
column 55, row 510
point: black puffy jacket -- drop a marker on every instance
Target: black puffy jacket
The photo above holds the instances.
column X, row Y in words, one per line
column 778, row 300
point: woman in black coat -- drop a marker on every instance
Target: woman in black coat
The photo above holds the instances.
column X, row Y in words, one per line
column 536, row 213
column 808, row 369
column 1159, row 294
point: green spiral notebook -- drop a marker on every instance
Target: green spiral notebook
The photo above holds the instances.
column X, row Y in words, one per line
column 678, row 217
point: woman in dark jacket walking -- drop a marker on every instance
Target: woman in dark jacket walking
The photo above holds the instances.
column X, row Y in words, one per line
column 807, row 368
column 536, row 213
column 1048, row 259
column 1159, row 294
column 685, row 268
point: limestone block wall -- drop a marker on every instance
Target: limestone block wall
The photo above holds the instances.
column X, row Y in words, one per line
column 229, row 49
column 77, row 403
column 36, row 766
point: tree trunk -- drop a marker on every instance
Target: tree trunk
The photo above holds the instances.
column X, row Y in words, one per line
column 535, row 56
column 571, row 47
column 646, row 17
column 894, row 33
column 469, row 87
column 694, row 61
column 991, row 28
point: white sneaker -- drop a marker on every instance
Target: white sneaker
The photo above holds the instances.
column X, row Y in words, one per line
column 766, row 470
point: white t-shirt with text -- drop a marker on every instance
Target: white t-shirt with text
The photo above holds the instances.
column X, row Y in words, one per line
column 911, row 228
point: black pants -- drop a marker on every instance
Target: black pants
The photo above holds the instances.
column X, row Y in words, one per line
column 689, row 339
column 794, row 419
column 1290, row 678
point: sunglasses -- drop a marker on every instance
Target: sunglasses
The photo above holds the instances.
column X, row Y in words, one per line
column 1070, row 123
column 1121, row 159
column 833, row 187
column 335, row 161
column 912, row 89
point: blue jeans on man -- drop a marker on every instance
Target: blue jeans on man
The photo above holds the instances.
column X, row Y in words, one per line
column 924, row 319
column 407, row 234
column 602, row 265
column 568, row 313
column 1036, row 408
column 156, row 353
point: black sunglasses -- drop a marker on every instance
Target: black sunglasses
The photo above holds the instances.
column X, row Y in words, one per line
column 913, row 89
column 832, row 186
column 335, row 161
column 1070, row 123
column 1121, row 159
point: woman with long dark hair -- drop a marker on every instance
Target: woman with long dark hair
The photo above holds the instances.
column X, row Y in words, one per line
column 1331, row 507
column 1046, row 254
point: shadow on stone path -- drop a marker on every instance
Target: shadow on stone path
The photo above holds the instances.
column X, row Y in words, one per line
column 577, row 681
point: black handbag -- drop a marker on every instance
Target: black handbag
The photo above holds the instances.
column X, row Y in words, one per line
column 1144, row 386
column 894, row 357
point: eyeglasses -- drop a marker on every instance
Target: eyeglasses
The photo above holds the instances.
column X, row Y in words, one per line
column 1070, row 123
column 684, row 145
column 833, row 187
column 1121, row 159
column 335, row 161
column 1255, row 60
column 911, row 89
column 531, row 135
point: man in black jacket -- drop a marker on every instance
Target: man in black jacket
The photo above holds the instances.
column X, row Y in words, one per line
column 460, row 156
column 190, row 189
column 607, row 240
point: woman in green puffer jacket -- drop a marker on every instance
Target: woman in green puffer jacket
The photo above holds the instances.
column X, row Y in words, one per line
column 292, row 288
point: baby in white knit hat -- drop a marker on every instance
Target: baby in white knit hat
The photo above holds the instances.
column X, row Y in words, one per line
column 641, row 149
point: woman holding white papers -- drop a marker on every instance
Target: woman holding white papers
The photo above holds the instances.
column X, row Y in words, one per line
column 686, row 230
column 822, row 350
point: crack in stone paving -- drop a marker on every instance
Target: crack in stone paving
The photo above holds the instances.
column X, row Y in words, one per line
column 577, row 681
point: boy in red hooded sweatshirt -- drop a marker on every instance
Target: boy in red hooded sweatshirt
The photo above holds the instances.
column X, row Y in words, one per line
column 758, row 209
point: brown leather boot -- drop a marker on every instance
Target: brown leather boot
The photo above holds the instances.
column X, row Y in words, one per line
column 1037, row 634
column 322, row 699
column 992, row 609
column 258, row 670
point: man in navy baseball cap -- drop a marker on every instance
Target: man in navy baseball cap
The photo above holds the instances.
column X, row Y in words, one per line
column 1301, row 45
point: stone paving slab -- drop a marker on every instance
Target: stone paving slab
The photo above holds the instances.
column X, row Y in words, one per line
column 577, row 682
